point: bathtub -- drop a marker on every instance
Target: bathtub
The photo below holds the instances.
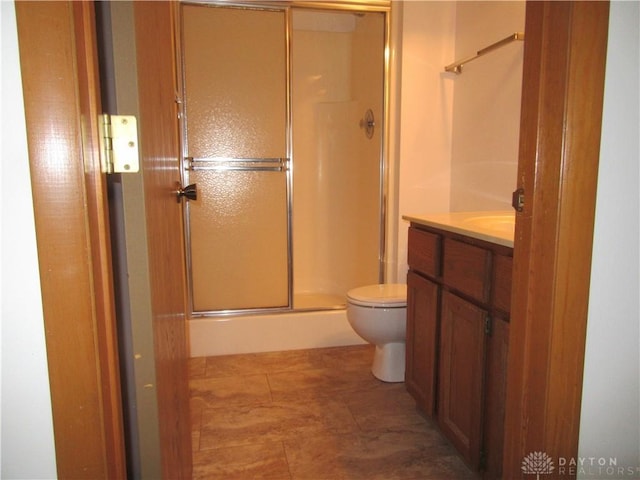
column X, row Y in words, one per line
column 211, row 336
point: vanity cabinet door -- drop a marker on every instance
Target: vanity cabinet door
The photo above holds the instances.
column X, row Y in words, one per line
column 461, row 375
column 422, row 321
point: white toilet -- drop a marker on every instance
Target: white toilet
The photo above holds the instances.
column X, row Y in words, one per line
column 377, row 313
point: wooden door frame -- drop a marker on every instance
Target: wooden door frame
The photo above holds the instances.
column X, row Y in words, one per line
column 561, row 121
column 61, row 94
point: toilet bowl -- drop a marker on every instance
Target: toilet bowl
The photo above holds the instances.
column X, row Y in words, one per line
column 377, row 313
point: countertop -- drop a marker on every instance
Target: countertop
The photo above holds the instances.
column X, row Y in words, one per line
column 493, row 226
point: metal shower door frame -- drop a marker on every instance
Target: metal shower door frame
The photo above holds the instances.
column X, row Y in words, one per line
column 287, row 164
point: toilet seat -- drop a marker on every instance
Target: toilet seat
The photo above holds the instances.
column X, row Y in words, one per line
column 388, row 295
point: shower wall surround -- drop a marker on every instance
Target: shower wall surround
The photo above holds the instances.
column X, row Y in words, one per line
column 337, row 74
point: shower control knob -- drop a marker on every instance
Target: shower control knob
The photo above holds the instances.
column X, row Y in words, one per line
column 368, row 123
column 190, row 192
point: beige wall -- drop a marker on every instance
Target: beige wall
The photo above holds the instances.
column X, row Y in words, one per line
column 610, row 417
column 456, row 143
column 486, row 107
column 424, row 42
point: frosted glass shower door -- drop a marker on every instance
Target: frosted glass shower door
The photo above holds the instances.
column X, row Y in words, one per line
column 235, row 105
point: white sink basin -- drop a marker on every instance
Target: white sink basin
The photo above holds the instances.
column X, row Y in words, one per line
column 495, row 223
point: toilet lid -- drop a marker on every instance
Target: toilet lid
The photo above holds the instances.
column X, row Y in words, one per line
column 383, row 295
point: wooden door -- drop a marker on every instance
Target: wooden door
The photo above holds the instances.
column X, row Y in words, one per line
column 422, row 329
column 160, row 150
column 61, row 94
column 461, row 375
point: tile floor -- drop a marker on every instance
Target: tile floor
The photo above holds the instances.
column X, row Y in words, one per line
column 310, row 414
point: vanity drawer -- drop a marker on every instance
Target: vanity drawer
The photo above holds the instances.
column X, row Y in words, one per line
column 424, row 251
column 467, row 269
column 502, row 273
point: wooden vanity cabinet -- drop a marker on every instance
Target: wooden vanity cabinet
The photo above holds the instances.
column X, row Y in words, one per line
column 458, row 297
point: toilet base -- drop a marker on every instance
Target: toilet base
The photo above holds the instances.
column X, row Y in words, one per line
column 388, row 362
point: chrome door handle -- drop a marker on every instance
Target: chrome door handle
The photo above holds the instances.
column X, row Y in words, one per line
column 190, row 192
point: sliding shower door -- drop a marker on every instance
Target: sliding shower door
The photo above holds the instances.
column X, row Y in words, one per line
column 235, row 120
column 283, row 127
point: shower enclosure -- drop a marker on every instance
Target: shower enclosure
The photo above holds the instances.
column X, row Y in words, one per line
column 283, row 121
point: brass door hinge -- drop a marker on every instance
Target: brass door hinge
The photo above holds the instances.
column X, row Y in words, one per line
column 119, row 143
